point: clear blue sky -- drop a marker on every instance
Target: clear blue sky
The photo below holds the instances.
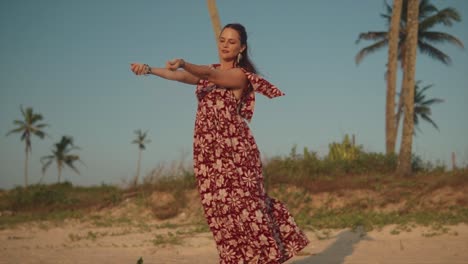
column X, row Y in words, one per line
column 69, row 60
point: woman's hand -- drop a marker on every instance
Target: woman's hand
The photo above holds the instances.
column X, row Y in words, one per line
column 175, row 64
column 139, row 69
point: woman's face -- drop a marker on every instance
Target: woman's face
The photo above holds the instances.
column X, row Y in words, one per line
column 229, row 44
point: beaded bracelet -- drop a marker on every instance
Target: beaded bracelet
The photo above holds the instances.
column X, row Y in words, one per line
column 147, row 69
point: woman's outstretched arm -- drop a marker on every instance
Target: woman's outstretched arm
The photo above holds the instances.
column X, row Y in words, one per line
column 179, row 75
column 233, row 78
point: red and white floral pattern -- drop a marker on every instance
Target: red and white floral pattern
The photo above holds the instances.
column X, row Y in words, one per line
column 246, row 223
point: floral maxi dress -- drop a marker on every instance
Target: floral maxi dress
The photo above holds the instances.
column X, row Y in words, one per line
column 247, row 225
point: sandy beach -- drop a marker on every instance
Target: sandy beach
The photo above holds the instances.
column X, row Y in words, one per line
column 78, row 242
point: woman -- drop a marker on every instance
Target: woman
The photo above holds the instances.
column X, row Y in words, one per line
column 247, row 225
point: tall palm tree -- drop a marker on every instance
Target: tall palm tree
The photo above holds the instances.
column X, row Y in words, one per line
column 404, row 159
column 392, row 67
column 61, row 155
column 429, row 17
column 214, row 16
column 422, row 106
column 27, row 127
column 141, row 140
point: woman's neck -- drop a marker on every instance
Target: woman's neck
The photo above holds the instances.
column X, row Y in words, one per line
column 226, row 65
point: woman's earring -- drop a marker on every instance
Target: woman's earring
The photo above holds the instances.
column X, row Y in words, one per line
column 239, row 58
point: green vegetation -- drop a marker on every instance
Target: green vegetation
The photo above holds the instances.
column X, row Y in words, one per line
column 54, row 202
column 334, row 191
column 170, row 238
column 61, row 155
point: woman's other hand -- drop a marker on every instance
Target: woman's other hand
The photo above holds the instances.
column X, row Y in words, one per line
column 138, row 68
column 174, row 64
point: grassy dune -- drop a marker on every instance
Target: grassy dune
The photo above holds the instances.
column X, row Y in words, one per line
column 321, row 193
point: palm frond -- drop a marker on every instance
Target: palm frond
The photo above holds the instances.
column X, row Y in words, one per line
column 39, row 133
column 67, row 140
column 388, row 12
column 388, row 8
column 369, row 50
column 19, row 122
column 42, row 125
column 29, row 115
column 426, row 9
column 65, row 143
column 16, row 130
column 440, row 37
column 71, row 166
column 47, row 158
column 25, row 135
column 372, row 35
column 46, row 162
column 433, row 52
column 35, row 118
column 422, row 109
column 433, row 101
column 23, row 113
column 138, row 132
column 424, row 88
column 141, row 139
column 428, row 119
column 415, row 120
column 67, row 150
column 386, row 17
column 419, row 93
column 446, row 17
column 69, row 162
column 417, row 129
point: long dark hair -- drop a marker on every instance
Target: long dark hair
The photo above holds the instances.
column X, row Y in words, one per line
column 245, row 60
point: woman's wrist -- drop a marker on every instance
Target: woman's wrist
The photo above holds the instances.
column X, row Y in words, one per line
column 147, row 69
column 181, row 63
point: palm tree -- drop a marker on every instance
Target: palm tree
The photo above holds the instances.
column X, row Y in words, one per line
column 214, row 16
column 392, row 67
column 422, row 106
column 404, row 159
column 61, row 155
column 141, row 140
column 28, row 127
column 429, row 17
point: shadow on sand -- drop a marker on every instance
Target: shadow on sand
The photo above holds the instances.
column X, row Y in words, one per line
column 339, row 250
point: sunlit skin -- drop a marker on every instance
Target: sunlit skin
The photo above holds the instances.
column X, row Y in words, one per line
column 226, row 76
column 222, row 118
column 229, row 46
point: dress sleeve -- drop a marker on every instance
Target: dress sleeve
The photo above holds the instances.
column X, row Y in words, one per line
column 259, row 85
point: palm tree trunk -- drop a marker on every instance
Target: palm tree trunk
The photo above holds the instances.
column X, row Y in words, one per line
column 393, row 39
column 400, row 106
column 402, row 94
column 214, row 16
column 26, row 169
column 59, row 171
column 138, row 169
column 404, row 164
